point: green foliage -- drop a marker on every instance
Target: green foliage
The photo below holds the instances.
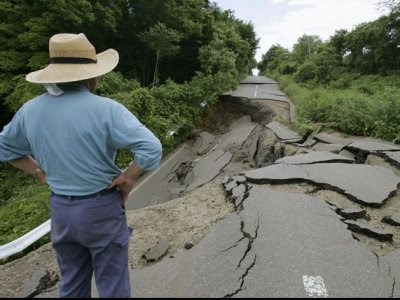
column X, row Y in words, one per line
column 115, row 82
column 366, row 106
column 370, row 48
column 23, row 92
column 163, row 41
column 12, row 182
column 305, row 47
column 307, row 72
column 288, row 68
column 27, row 210
column 273, row 58
column 327, row 62
column 24, row 205
column 215, row 49
column 216, row 57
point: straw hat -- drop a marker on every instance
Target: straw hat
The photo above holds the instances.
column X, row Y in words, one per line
column 73, row 58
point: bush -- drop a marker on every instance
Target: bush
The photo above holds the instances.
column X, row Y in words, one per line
column 308, row 71
column 22, row 93
column 23, row 212
column 288, row 68
column 353, row 110
column 114, row 82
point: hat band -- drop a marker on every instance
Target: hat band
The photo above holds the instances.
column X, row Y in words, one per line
column 72, row 60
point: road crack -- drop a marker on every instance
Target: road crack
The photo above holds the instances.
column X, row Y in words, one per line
column 234, row 246
column 242, row 278
column 393, row 287
column 251, row 240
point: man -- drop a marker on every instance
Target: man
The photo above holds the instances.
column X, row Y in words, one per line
column 73, row 136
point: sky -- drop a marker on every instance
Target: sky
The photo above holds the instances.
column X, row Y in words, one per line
column 284, row 21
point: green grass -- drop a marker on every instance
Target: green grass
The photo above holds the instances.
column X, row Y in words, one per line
column 24, row 205
column 355, row 104
column 23, row 212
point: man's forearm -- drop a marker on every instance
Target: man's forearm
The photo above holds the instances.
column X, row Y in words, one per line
column 133, row 171
column 26, row 164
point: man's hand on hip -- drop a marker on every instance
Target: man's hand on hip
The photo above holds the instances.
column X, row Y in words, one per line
column 126, row 180
column 41, row 176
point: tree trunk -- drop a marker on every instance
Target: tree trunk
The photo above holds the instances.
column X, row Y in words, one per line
column 156, row 69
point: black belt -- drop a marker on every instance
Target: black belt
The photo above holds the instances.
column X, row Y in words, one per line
column 104, row 192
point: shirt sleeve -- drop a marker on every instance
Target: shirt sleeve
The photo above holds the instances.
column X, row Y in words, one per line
column 128, row 133
column 13, row 141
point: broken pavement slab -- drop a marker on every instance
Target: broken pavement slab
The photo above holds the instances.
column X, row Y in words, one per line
column 237, row 190
column 259, row 88
column 308, row 143
column 209, row 269
column 230, row 186
column 253, row 148
column 373, row 232
column 364, row 184
column 245, row 255
column 211, row 165
column 40, row 282
column 157, row 252
column 284, row 133
column 392, row 157
column 347, row 154
column 334, row 148
column 32, row 287
column 332, row 139
column 203, row 142
column 286, row 255
column 313, row 158
column 238, row 133
column 392, row 220
column 208, row 168
column 372, row 147
column 352, row 213
column 150, row 188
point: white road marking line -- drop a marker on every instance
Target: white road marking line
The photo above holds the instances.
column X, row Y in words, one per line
column 315, row 286
column 255, row 92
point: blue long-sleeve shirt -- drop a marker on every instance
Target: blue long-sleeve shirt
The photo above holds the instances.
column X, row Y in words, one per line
column 74, row 138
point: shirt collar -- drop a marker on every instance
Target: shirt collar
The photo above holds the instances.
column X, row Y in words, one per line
column 72, row 87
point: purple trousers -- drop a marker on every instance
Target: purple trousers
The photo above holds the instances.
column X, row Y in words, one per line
column 90, row 234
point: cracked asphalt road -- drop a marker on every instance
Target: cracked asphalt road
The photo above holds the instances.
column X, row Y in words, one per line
column 265, row 250
column 280, row 243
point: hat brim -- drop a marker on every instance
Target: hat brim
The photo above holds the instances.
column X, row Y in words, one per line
column 58, row 73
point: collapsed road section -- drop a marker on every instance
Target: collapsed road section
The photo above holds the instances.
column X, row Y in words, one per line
column 191, row 166
column 297, row 235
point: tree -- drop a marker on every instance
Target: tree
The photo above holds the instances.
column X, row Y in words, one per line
column 306, row 46
column 275, row 56
column 327, row 61
column 308, row 71
column 392, row 5
column 27, row 25
column 216, row 57
column 163, row 41
column 338, row 42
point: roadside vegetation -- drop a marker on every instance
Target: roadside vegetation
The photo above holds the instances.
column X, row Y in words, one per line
column 176, row 57
column 350, row 83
